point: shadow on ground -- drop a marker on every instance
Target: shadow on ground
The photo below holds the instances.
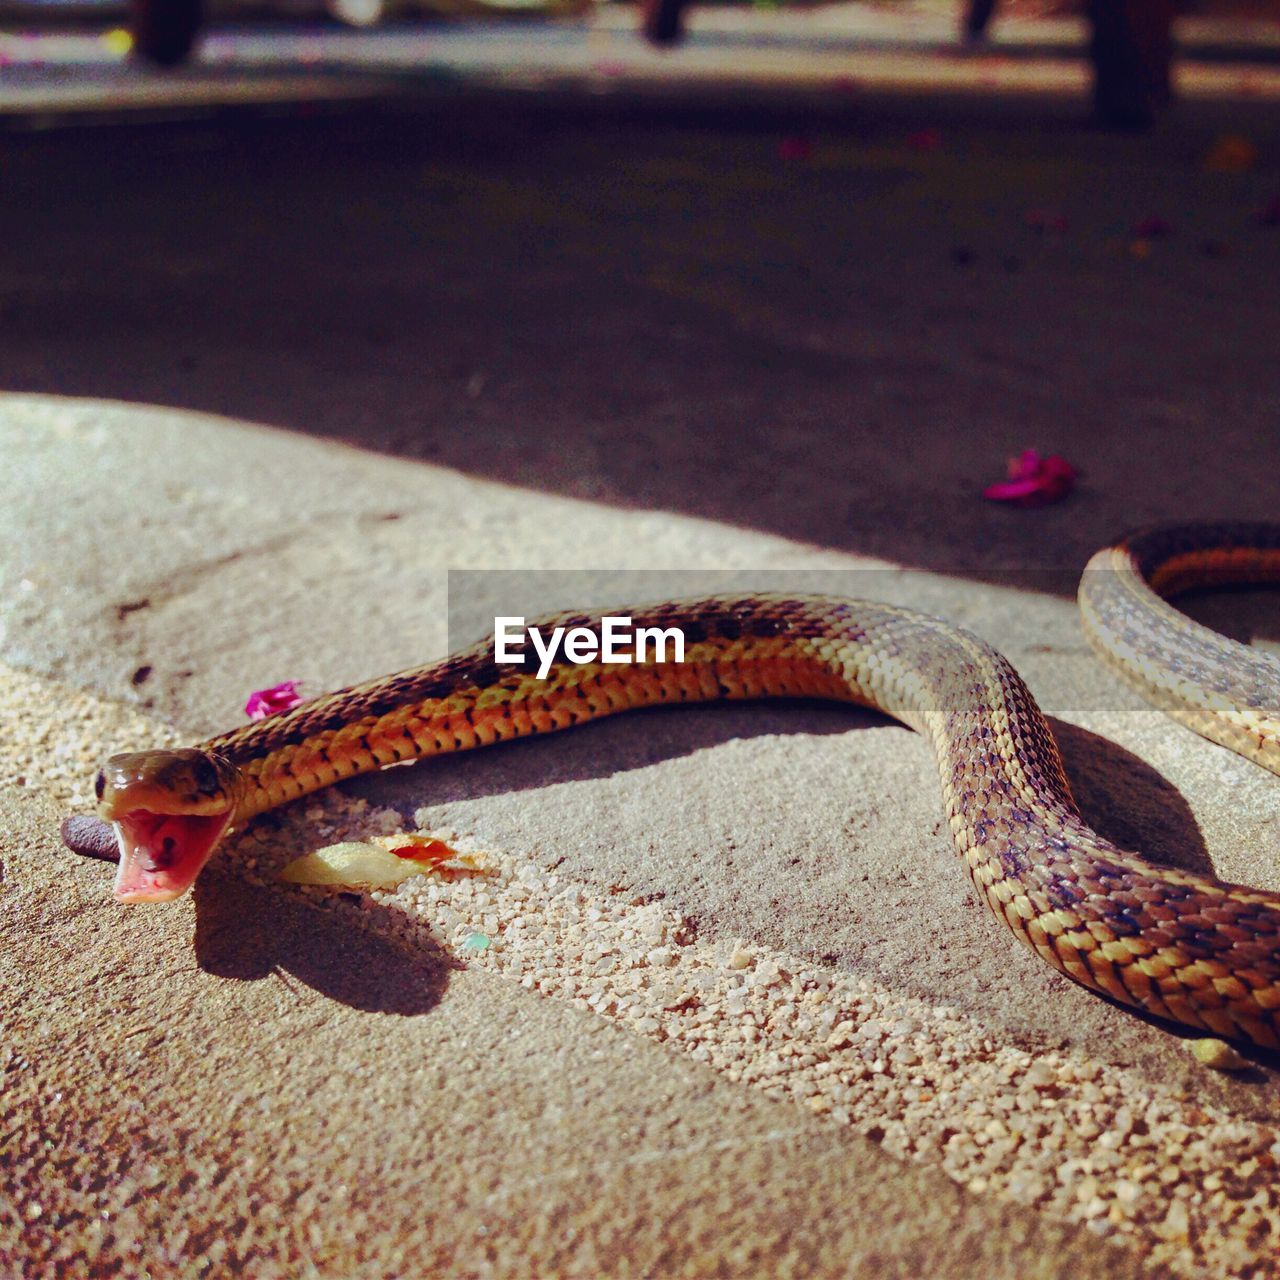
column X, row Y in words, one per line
column 641, row 302
column 250, row 933
column 1121, row 796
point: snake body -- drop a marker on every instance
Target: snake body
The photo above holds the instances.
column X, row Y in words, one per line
column 1174, row 943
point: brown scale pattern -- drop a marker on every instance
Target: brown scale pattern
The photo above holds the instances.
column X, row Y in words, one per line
column 1223, row 690
column 1177, row 944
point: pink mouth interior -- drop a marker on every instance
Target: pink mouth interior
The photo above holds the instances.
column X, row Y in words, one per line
column 161, row 853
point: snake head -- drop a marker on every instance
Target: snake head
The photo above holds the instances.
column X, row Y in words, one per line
column 169, row 810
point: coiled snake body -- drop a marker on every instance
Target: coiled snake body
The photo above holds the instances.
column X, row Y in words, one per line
column 1174, row 943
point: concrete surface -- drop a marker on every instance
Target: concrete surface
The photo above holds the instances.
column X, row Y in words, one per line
column 591, row 337
column 299, row 1099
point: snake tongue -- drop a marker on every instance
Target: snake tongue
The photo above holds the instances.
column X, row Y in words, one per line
column 161, row 854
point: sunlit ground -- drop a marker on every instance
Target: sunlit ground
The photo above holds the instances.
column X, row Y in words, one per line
column 844, row 49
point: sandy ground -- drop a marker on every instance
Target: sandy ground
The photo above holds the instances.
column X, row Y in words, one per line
column 500, row 333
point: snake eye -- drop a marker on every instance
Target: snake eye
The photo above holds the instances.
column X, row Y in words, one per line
column 205, row 777
column 99, row 784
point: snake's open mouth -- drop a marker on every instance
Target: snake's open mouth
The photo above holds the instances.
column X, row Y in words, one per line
column 162, row 853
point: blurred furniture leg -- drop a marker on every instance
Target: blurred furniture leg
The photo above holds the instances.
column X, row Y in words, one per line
column 164, row 31
column 662, row 21
column 977, row 18
column 1132, row 49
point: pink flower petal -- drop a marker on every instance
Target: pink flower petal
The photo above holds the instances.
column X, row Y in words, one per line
column 794, row 148
column 269, row 702
column 1034, row 480
column 1011, row 490
column 1026, row 466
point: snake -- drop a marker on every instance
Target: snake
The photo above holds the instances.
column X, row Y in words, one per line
column 1177, row 944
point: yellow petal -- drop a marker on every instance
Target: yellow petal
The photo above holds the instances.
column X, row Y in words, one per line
column 352, row 863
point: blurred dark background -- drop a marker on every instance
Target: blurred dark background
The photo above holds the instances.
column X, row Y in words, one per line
column 818, row 272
